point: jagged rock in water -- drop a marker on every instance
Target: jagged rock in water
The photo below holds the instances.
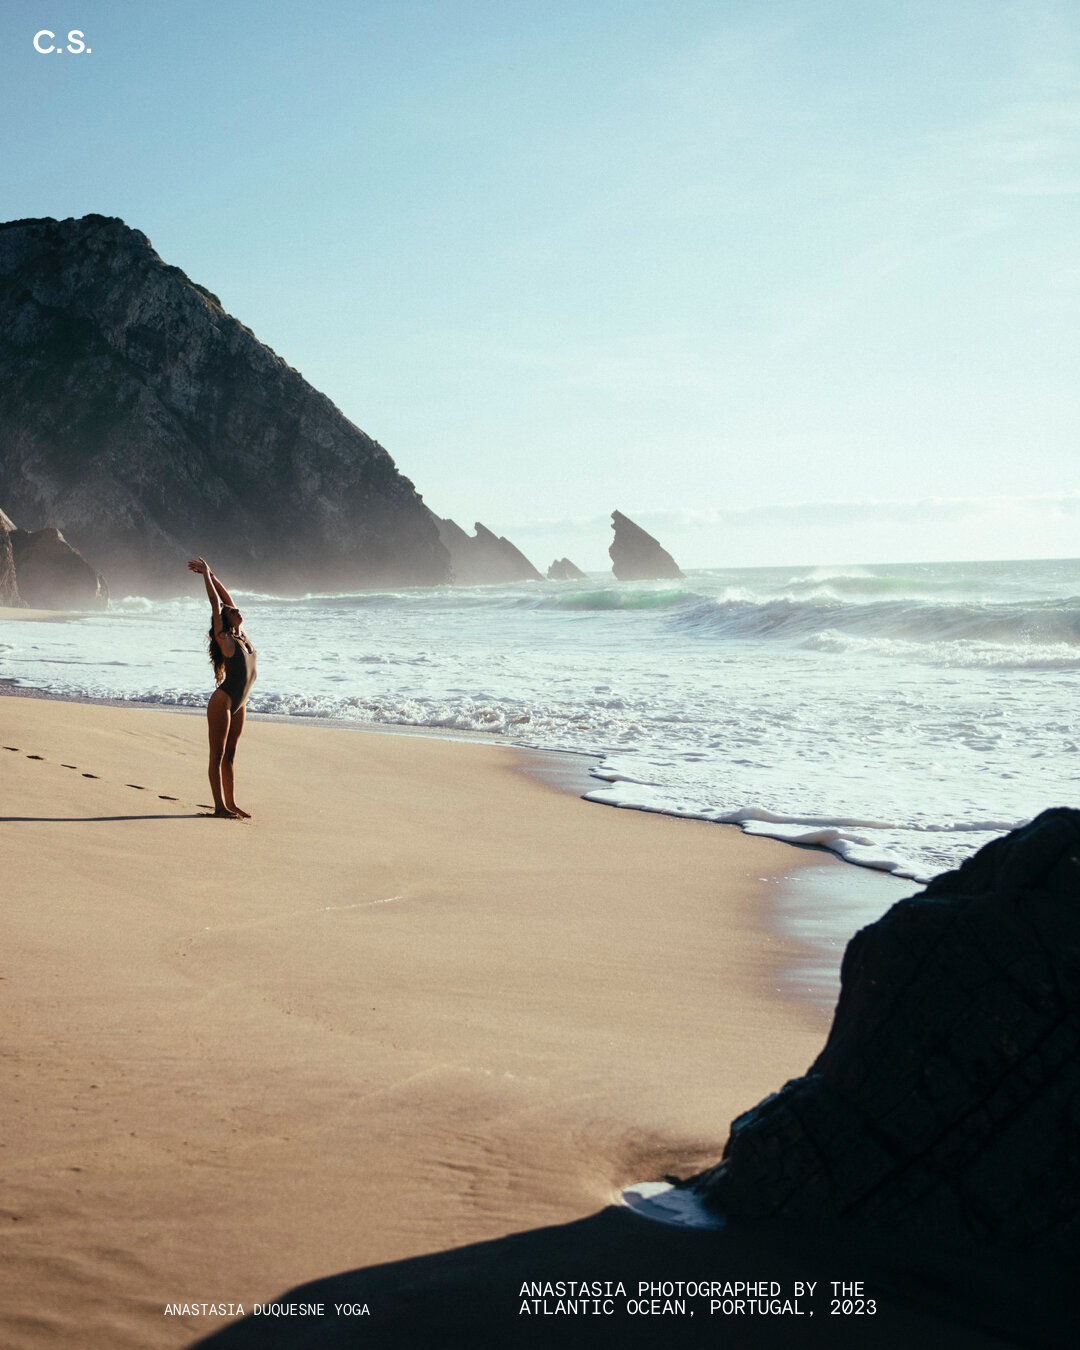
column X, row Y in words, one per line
column 483, row 558
column 9, row 586
column 53, row 575
column 636, row 555
column 147, row 424
column 946, row 1102
column 562, row 569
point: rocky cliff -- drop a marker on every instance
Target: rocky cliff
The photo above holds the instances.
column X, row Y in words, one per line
column 637, row 556
column 946, row 1102
column 148, row 425
column 41, row 569
column 483, row 558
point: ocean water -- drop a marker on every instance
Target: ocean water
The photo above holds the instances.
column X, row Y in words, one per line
column 899, row 715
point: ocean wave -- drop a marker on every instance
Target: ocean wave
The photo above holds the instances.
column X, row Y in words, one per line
column 870, row 587
column 959, row 655
column 614, row 598
column 524, row 595
column 351, row 600
column 140, row 605
column 1051, row 623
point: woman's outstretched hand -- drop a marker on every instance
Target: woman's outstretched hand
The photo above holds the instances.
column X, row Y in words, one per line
column 199, row 565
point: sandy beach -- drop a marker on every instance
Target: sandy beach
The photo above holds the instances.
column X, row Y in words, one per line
column 424, row 1000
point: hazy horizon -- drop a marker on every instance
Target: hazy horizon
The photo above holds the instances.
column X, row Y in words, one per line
column 708, row 546
column 780, row 281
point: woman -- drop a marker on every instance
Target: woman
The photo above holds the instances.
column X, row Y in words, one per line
column 234, row 670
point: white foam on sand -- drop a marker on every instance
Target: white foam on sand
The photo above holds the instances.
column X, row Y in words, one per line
column 665, row 1203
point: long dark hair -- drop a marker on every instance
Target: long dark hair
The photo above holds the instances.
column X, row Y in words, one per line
column 217, row 657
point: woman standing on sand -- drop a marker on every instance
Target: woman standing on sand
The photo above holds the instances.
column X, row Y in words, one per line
column 234, row 670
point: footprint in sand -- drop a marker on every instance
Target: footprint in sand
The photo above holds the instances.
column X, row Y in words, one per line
column 137, row 786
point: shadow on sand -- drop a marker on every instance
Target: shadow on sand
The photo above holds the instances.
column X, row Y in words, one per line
column 473, row 1296
column 78, row 820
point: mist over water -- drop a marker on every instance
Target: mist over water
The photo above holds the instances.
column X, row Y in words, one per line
column 902, row 716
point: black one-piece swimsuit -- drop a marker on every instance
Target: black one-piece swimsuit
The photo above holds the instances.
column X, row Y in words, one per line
column 239, row 674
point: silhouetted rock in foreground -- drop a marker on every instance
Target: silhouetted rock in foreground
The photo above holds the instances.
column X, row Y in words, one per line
column 562, row 569
column 946, row 1102
column 41, row 569
column 636, row 555
column 483, row 558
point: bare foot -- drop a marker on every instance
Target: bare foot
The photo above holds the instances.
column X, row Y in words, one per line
column 244, row 815
column 223, row 813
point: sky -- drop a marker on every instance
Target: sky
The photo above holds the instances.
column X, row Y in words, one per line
column 785, row 282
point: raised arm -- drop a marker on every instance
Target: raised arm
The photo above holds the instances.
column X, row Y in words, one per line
column 226, row 598
column 202, row 567
column 215, row 588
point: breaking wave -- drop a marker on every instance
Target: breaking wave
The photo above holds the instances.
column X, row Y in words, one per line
column 1048, row 623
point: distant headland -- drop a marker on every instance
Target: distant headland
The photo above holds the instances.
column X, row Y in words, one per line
column 143, row 424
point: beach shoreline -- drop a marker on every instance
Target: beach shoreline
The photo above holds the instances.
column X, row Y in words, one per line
column 452, row 992
column 888, row 715
column 820, row 907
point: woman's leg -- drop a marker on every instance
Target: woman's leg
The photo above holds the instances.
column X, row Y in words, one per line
column 218, row 717
column 228, row 779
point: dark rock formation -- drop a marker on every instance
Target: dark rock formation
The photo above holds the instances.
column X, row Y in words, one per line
column 483, row 558
column 636, row 555
column 147, row 424
column 946, row 1102
column 41, row 569
column 9, row 587
column 562, row 569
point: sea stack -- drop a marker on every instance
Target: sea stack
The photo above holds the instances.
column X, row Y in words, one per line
column 148, row 425
column 562, row 569
column 944, row 1105
column 637, row 556
column 483, row 558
